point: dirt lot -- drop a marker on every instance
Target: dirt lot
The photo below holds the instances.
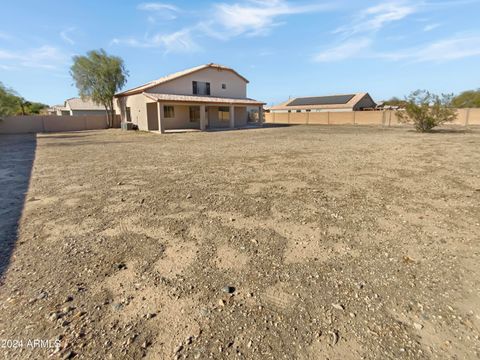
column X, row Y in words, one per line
column 280, row 243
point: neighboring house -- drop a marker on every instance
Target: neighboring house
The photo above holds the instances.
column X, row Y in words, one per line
column 78, row 107
column 349, row 102
column 58, row 110
column 204, row 97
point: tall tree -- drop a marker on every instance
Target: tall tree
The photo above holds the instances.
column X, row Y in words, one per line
column 99, row 76
column 467, row 99
column 9, row 101
column 13, row 104
column 427, row 110
column 395, row 101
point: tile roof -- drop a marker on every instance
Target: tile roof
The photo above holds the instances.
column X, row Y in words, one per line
column 142, row 88
column 201, row 99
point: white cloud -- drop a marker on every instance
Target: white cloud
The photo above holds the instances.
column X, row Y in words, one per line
column 348, row 49
column 430, row 27
column 45, row 57
column 155, row 6
column 177, row 42
column 376, row 17
column 256, row 17
column 454, row 48
column 358, row 37
column 159, row 10
column 250, row 18
column 64, row 34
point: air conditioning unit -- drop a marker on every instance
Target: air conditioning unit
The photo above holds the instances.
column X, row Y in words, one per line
column 127, row 126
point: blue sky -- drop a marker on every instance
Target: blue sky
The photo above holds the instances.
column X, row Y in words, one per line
column 285, row 48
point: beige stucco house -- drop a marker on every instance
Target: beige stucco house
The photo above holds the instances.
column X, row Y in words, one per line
column 331, row 103
column 78, row 107
column 205, row 97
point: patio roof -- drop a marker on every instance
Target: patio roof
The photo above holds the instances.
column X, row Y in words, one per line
column 202, row 99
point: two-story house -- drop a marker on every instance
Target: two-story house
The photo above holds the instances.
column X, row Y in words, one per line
column 204, row 97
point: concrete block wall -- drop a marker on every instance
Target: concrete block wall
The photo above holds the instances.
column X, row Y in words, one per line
column 39, row 123
column 385, row 118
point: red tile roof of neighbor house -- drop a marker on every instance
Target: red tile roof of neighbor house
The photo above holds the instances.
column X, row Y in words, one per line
column 201, row 99
column 162, row 80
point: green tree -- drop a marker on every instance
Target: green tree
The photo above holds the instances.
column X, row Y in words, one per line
column 427, row 110
column 99, row 76
column 9, row 101
column 13, row 104
column 467, row 99
column 395, row 101
column 24, row 105
column 35, row 107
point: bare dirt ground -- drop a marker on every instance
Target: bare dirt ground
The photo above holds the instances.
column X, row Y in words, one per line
column 332, row 243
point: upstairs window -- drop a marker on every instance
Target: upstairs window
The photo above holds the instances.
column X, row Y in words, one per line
column 201, row 88
column 224, row 86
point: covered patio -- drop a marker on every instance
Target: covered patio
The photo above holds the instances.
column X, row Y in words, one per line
column 166, row 112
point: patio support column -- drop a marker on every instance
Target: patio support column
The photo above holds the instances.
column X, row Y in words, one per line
column 161, row 116
column 232, row 116
column 203, row 118
column 260, row 115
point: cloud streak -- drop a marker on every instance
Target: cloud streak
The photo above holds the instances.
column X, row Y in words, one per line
column 155, row 6
column 159, row 10
column 258, row 17
column 443, row 50
column 453, row 48
column 248, row 18
column 356, row 40
column 176, row 42
column 376, row 17
column 44, row 57
column 66, row 37
column 430, row 27
column 348, row 49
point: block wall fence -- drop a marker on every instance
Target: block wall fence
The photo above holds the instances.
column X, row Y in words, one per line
column 384, row 118
column 53, row 123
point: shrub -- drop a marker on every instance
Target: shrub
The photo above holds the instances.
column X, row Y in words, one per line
column 427, row 110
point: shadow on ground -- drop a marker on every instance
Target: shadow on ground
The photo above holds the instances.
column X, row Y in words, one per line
column 17, row 153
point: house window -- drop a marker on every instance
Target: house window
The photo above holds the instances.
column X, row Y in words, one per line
column 201, row 88
column 128, row 114
column 169, row 111
column 224, row 86
column 223, row 113
column 194, row 113
column 299, row 111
